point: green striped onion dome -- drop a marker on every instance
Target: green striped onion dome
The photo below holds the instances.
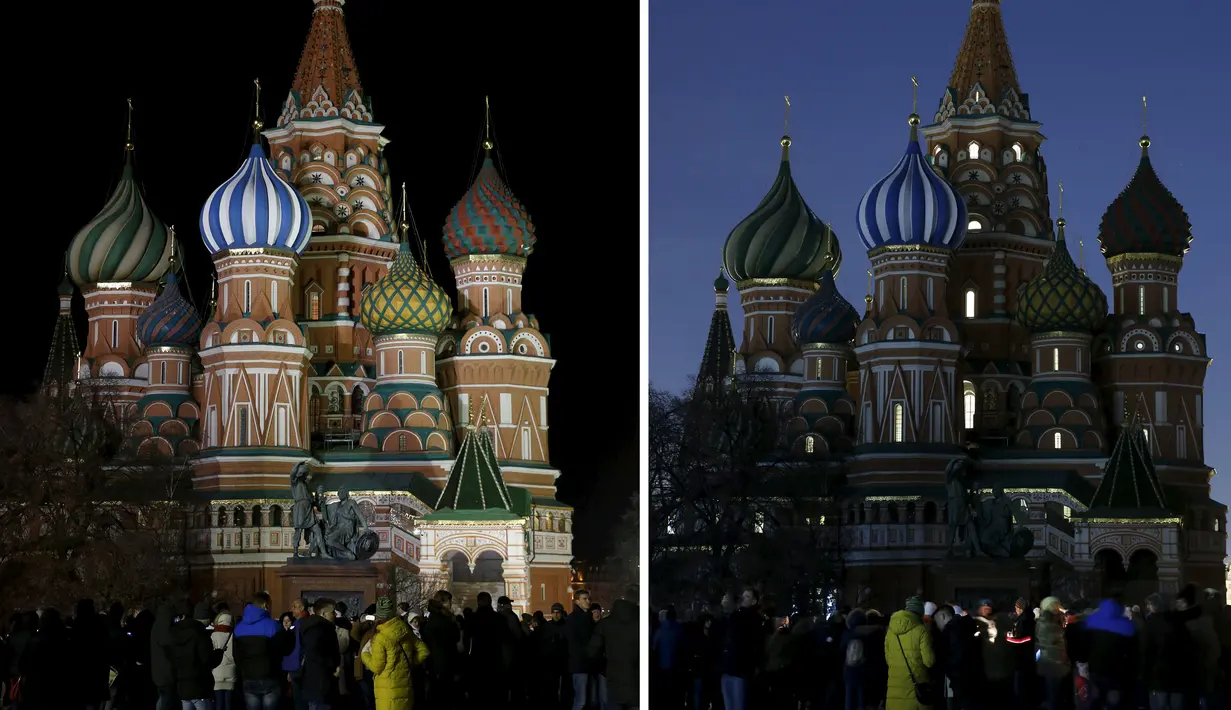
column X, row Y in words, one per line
column 124, row 242
column 1062, row 297
column 782, row 238
column 406, row 300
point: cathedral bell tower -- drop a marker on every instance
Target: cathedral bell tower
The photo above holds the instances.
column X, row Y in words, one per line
column 776, row 256
column 911, row 222
column 987, row 144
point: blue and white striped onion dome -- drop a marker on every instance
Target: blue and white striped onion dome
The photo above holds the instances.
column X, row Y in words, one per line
column 255, row 209
column 912, row 205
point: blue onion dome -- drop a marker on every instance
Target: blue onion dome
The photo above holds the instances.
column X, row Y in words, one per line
column 826, row 317
column 256, row 209
column 125, row 242
column 782, row 238
column 912, row 205
column 169, row 320
column 1145, row 217
column 406, row 300
column 1062, row 297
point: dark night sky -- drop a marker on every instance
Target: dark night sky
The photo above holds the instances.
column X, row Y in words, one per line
column 557, row 112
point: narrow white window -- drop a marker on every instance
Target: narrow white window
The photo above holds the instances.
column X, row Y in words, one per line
column 247, row 297
column 880, row 294
column 1145, row 434
column 1079, row 360
column 543, row 411
column 1160, row 407
column 115, row 334
column 970, row 303
column 809, row 445
column 902, row 293
column 1166, row 299
column 931, row 294
column 422, row 362
column 1055, row 359
column 1141, row 300
column 769, row 335
column 525, row 443
column 899, row 423
column 506, row 408
column 273, row 295
column 972, row 150
column 314, row 307
column 968, row 403
column 1181, row 442
column 938, row 423
column 179, row 374
column 1118, row 411
column 241, row 428
column 401, row 363
column 508, row 301
column 867, row 423
column 463, row 407
column 163, row 374
column 1056, row 439
column 1198, row 414
column 1017, row 152
column 211, row 435
column 283, row 429
column 486, row 302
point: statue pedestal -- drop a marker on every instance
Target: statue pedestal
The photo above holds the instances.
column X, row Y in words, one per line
column 966, row 581
column 354, row 583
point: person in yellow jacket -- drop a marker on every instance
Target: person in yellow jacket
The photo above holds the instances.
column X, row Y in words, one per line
column 907, row 627
column 390, row 655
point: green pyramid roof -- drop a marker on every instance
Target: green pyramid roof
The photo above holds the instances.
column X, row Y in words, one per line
column 475, row 488
column 1130, row 487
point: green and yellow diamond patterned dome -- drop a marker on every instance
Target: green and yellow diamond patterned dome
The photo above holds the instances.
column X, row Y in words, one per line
column 406, row 300
column 1062, row 298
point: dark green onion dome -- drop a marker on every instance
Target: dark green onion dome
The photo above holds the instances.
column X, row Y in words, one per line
column 1145, row 218
column 1062, row 297
column 826, row 317
column 124, row 242
column 721, row 283
column 406, row 300
column 782, row 238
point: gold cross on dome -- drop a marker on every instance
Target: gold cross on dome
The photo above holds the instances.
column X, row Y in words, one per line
column 914, row 95
column 786, row 123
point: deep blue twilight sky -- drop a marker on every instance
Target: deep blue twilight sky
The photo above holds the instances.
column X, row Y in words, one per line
column 719, row 69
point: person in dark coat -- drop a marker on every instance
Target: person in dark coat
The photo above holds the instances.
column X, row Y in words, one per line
column 161, row 672
column 24, row 627
column 667, row 645
column 742, row 650
column 138, row 686
column 1111, row 652
column 43, row 685
column 961, row 653
column 487, row 641
column 515, row 652
column 1021, row 637
column 441, row 634
column 258, row 648
column 190, row 652
column 91, row 652
column 578, row 630
column 1169, row 660
column 320, row 655
column 616, row 639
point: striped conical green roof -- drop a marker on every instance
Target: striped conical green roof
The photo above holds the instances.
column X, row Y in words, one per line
column 475, row 487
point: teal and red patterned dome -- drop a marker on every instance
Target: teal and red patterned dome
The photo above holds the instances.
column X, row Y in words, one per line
column 170, row 321
column 488, row 219
column 1145, row 218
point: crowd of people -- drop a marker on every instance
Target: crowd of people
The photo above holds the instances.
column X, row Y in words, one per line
column 322, row 656
column 1175, row 654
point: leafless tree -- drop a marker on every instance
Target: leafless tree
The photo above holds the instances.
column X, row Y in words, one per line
column 731, row 505
column 406, row 586
column 83, row 519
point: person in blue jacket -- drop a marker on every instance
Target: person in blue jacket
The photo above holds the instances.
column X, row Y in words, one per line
column 258, row 649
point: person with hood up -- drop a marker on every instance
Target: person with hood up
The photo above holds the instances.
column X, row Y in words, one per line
column 742, row 649
column 161, row 671
column 1111, row 655
column 390, row 655
column 1053, row 664
column 909, row 655
column 258, row 651
column 321, row 661
column 857, row 639
column 221, row 638
column 191, row 654
column 616, row 639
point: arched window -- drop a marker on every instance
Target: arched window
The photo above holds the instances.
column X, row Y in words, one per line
column 1141, row 300
column 936, row 150
column 239, row 516
column 486, row 303
column 275, row 516
column 899, row 423
column 423, row 362
column 247, row 296
column 508, row 300
column 222, row 517
column 163, row 368
column 1017, row 152
column 273, row 295
column 929, row 513
column 256, row 516
column 1055, row 359
column 972, row 150
column 902, row 293
column 769, row 335
column 115, row 334
column 968, row 403
column 970, row 303
column 314, row 306
column 1056, row 439
column 973, row 225
column 809, row 445
column 401, row 363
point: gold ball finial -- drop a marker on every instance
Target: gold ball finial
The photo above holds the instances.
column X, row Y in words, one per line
column 1060, row 222
column 786, row 141
column 403, row 227
column 913, row 120
column 258, row 124
column 487, row 145
column 1144, row 142
column 129, row 146
column 868, row 299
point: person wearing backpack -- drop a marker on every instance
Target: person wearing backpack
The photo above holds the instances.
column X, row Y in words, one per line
column 224, row 673
column 859, row 633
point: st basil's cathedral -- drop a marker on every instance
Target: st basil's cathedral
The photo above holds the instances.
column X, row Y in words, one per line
column 982, row 343
column 328, row 339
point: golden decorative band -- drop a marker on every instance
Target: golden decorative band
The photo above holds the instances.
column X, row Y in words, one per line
column 1145, row 256
column 771, row 283
column 906, row 249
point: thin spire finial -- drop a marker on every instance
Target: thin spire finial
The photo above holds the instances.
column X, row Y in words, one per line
column 1061, row 186
column 1081, row 254
column 171, row 236
column 402, row 225
column 1145, row 122
column 914, row 104
column 487, row 123
column 257, row 123
column 786, row 138
column 786, row 122
column 128, row 131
